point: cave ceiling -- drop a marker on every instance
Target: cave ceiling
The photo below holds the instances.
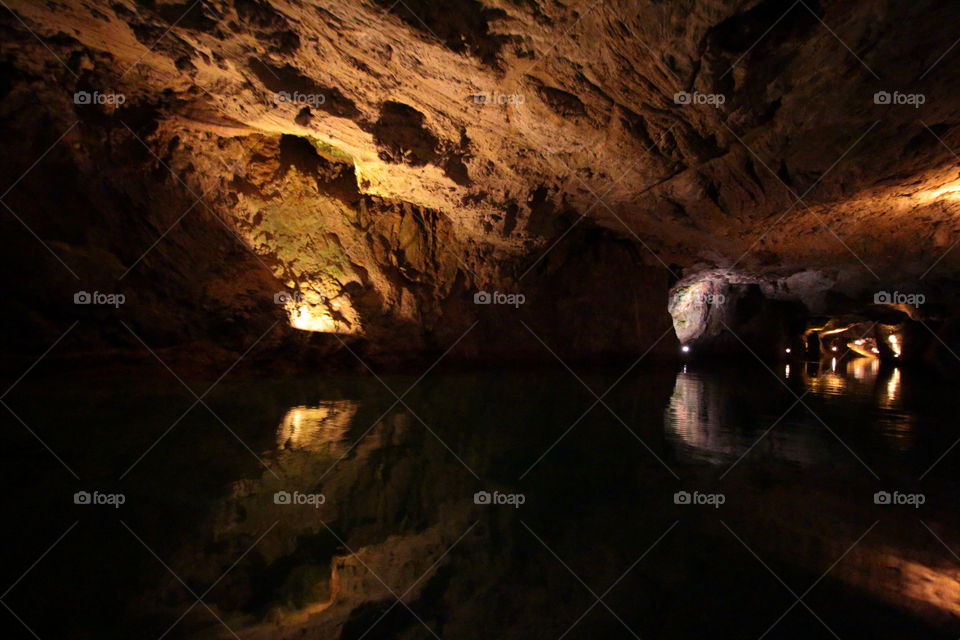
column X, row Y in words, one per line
column 762, row 135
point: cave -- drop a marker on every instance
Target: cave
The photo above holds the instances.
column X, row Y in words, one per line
column 358, row 319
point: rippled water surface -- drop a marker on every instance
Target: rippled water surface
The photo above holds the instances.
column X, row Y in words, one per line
column 813, row 500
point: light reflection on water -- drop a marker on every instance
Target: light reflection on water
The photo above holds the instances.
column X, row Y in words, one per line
column 711, row 417
column 398, row 496
column 854, row 376
column 317, row 428
column 864, row 410
column 709, row 425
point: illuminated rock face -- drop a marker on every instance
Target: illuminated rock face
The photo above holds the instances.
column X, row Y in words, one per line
column 695, row 121
column 284, row 251
column 718, row 313
column 385, row 161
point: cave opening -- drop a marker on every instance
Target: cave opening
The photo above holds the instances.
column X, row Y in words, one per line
column 339, row 320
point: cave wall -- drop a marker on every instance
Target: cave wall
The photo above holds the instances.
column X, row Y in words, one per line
column 385, row 162
column 726, row 111
column 217, row 238
column 723, row 314
column 83, row 220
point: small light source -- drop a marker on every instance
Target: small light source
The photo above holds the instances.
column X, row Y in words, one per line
column 858, row 342
column 787, row 350
column 833, row 364
column 685, row 349
column 875, row 350
column 833, row 348
column 895, row 345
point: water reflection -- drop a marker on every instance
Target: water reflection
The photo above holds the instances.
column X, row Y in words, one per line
column 841, row 376
column 823, row 378
column 865, row 381
column 695, row 415
column 316, row 428
column 710, row 418
column 897, row 424
column 713, row 418
column 890, row 392
column 399, row 512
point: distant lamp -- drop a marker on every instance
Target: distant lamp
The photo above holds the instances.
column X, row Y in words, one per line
column 685, row 349
column 895, row 345
column 833, row 348
column 787, row 350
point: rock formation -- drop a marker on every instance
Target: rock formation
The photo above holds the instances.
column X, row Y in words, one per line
column 360, row 170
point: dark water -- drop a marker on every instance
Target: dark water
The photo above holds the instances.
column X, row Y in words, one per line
column 782, row 537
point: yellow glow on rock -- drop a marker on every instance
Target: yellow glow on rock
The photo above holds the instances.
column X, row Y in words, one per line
column 306, row 318
column 313, row 311
column 952, row 192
